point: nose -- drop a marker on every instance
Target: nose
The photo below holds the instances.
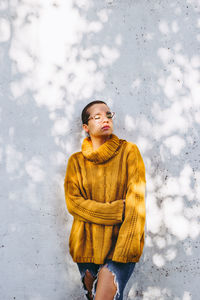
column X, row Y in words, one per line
column 105, row 119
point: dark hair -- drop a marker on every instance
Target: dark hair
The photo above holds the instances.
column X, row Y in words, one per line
column 85, row 115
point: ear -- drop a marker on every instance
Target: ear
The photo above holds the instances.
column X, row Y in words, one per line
column 85, row 127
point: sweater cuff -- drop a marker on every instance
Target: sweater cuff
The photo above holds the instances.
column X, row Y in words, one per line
column 120, row 210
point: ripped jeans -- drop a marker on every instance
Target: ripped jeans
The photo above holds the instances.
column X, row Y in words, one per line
column 121, row 271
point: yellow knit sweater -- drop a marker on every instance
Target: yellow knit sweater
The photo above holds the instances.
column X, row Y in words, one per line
column 96, row 183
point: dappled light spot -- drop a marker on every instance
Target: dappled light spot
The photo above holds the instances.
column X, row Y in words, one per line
column 61, row 127
column 158, row 260
column 171, row 187
column 66, row 146
column 129, row 123
column 67, row 22
column 191, row 213
column 149, row 36
column 149, row 242
column 13, row 160
column 88, row 52
column 198, row 37
column 103, row 15
column 4, row 30
column 171, row 87
column 171, row 254
column 34, row 169
column 11, row 132
column 144, row 144
column 160, row 242
column 194, row 228
column 58, row 158
column 174, row 219
column 149, row 179
column 187, row 296
column 183, row 73
column 178, row 47
column 176, row 72
column 185, row 180
column 144, row 125
column 180, row 58
column 19, row 87
column 191, row 78
column 118, row 40
column 30, row 195
column 197, row 185
column 156, row 293
column 175, row 27
column 3, row 4
column 194, row 2
column 94, row 27
column 170, row 120
column 178, row 11
column 175, row 144
column 136, row 83
column 51, row 97
column 195, row 61
column 63, row 27
column 109, row 56
column 164, row 28
column 83, row 4
column 164, row 54
column 195, row 92
column 12, row 196
column 188, row 250
column 23, row 50
column 155, row 221
column 25, row 61
column 14, row 227
column 86, row 79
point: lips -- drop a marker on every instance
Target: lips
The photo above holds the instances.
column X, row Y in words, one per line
column 105, row 127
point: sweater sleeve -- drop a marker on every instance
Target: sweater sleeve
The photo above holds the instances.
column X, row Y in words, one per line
column 89, row 210
column 130, row 240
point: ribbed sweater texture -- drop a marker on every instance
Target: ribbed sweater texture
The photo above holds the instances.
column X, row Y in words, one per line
column 95, row 184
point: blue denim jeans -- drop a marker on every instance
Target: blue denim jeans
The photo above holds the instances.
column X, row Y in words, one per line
column 121, row 271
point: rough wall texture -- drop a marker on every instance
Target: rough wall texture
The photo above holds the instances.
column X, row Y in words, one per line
column 55, row 57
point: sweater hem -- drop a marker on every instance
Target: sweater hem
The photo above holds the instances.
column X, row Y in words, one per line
column 99, row 261
column 123, row 259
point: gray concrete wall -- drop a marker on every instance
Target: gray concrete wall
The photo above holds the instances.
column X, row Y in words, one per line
column 55, row 57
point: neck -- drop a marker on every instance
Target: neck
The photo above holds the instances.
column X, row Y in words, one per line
column 98, row 141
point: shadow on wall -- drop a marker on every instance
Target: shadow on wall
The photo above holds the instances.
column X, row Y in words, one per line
column 142, row 58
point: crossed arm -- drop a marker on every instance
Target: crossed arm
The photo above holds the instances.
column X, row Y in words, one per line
column 129, row 211
column 89, row 210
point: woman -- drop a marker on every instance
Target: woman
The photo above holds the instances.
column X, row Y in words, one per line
column 104, row 190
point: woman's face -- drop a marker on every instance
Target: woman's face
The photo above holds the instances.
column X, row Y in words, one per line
column 101, row 125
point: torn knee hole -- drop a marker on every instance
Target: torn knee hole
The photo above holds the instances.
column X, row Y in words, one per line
column 115, row 286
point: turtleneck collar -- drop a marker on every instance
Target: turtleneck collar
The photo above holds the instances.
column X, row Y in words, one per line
column 104, row 152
